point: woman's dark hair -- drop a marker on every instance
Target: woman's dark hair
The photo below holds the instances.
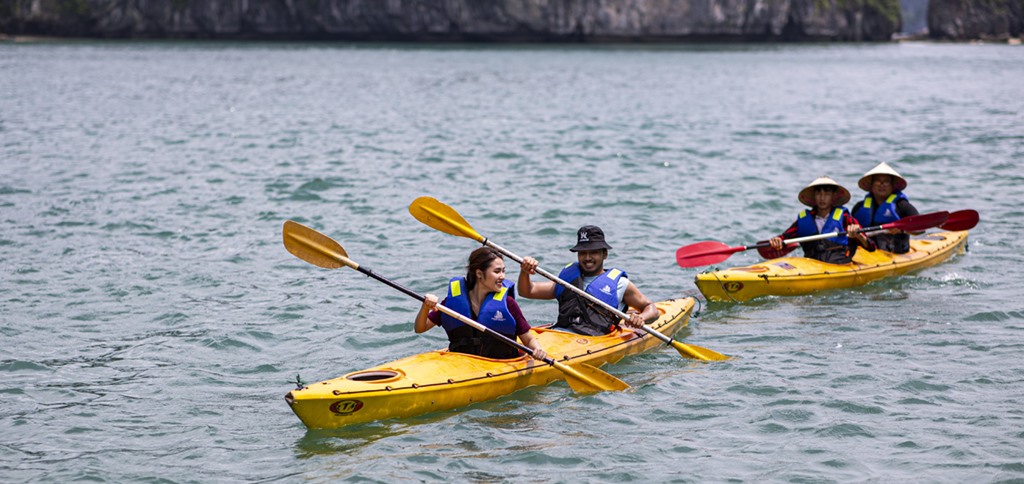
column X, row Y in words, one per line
column 479, row 259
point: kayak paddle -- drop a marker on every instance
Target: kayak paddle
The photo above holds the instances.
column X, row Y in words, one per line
column 711, row 252
column 322, row 251
column 439, row 216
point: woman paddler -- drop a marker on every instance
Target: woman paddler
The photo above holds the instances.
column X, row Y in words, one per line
column 827, row 214
column 485, row 296
column 885, row 203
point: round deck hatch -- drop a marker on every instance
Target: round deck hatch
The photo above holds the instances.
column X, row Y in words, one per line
column 374, row 375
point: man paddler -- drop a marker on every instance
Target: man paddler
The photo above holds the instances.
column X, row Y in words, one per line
column 576, row 314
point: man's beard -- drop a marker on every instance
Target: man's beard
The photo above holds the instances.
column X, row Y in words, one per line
column 597, row 272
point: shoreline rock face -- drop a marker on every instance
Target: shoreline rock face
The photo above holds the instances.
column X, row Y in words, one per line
column 459, row 20
column 975, row 19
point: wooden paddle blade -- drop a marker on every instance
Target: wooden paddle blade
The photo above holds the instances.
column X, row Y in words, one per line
column 313, row 247
column 916, row 223
column 584, row 378
column 704, row 253
column 697, row 353
column 768, row 252
column 961, row 220
column 439, row 216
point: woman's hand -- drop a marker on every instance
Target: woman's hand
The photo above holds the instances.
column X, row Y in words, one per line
column 423, row 322
column 776, row 243
column 430, row 302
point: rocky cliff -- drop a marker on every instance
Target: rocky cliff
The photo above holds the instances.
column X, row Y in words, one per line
column 975, row 19
column 457, row 20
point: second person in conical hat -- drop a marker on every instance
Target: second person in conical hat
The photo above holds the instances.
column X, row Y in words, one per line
column 827, row 214
column 885, row 203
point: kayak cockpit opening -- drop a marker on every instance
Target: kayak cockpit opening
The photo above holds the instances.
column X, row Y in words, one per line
column 375, row 375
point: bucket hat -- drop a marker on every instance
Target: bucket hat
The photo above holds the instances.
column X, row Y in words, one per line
column 590, row 237
column 883, row 168
column 806, row 195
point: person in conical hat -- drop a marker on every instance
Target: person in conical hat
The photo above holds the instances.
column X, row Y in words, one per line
column 609, row 285
column 884, row 203
column 826, row 214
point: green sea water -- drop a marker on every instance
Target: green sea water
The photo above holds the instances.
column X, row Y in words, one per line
column 151, row 321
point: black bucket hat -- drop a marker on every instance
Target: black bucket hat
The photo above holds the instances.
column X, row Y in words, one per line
column 590, row 237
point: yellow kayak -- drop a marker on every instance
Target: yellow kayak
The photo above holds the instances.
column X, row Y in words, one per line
column 440, row 380
column 793, row 276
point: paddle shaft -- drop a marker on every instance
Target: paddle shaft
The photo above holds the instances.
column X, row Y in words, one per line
column 917, row 221
column 867, row 231
column 581, row 292
column 874, row 230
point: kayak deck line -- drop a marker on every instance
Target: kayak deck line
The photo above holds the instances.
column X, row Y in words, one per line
column 793, row 276
column 441, row 380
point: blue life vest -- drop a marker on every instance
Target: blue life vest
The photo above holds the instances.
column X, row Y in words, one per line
column 805, row 225
column 494, row 311
column 604, row 287
column 885, row 213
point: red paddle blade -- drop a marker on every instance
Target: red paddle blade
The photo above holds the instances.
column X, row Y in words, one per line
column 768, row 252
column 961, row 220
column 704, row 253
column 916, row 223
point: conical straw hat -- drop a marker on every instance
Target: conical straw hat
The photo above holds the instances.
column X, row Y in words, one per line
column 883, row 168
column 806, row 195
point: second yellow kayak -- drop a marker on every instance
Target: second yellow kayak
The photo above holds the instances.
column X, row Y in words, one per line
column 793, row 276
